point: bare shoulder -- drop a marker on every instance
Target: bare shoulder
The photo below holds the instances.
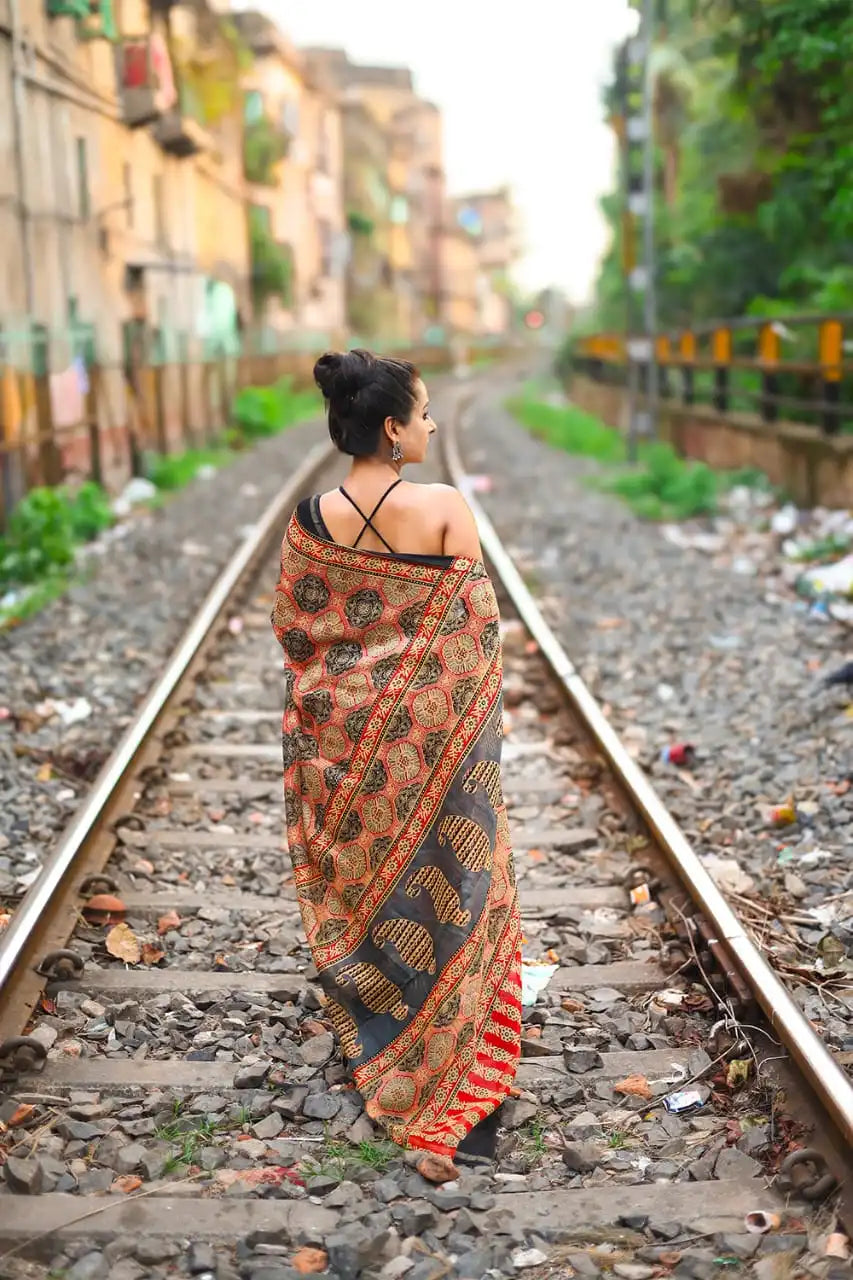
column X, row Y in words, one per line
column 450, row 498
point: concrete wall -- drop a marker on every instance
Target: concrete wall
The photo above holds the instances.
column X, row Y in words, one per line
column 815, row 469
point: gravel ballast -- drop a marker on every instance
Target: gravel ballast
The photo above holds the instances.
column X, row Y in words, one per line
column 106, row 639
column 685, row 647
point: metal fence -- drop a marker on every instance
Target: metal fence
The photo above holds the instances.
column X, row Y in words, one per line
column 794, row 368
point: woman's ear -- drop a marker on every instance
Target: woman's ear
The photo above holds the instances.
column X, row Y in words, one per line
column 392, row 429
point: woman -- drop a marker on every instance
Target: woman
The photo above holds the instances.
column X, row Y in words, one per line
column 391, row 739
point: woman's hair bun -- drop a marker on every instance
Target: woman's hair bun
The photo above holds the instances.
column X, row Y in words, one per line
column 361, row 391
column 339, row 374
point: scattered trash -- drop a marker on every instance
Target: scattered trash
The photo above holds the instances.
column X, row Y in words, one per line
column 534, row 980
column 759, row 1223
column 524, row 1258
column 135, row 492
column 73, row 711
column 681, row 754
column 835, row 578
column 842, row 675
column 249, row 490
column 634, row 1087
column 665, row 692
column 683, row 1100
column 784, row 521
column 783, row 815
column 837, row 1246
column 205, row 472
column 480, row 483
column 738, row 1072
column 190, row 548
column 640, row 895
column 744, row 567
column 235, row 626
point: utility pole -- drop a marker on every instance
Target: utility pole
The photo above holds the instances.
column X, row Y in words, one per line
column 639, row 190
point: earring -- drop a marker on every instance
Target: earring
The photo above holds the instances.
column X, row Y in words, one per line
column 396, row 452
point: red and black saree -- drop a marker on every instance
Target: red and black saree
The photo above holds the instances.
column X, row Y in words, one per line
column 397, row 828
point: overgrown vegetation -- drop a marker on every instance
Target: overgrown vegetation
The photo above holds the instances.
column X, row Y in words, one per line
column 45, row 529
column 272, row 263
column 662, row 486
column 754, row 129
column 339, row 1159
column 49, row 525
column 264, row 146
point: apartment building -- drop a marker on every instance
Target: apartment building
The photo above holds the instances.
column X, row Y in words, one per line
column 490, row 222
column 293, row 152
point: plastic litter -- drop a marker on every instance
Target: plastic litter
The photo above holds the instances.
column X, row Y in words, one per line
column 759, row 1223
column 783, row 815
column 73, row 711
column 837, row 1246
column 836, row 578
column 534, row 980
column 640, row 895
column 784, row 521
column 681, row 754
column 683, row 1100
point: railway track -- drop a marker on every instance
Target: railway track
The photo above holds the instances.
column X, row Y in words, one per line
column 172, row 1101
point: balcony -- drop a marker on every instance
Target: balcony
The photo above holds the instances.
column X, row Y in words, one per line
column 145, row 78
column 179, row 131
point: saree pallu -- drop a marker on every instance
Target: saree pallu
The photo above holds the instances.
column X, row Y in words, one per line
column 397, row 829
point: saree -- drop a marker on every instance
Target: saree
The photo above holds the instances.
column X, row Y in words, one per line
column 397, row 829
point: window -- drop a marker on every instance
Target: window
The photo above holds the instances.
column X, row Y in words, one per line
column 127, row 180
column 159, row 211
column 84, row 207
column 253, row 107
column 325, row 248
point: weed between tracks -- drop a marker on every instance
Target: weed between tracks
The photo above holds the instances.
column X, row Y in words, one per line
column 662, row 485
column 338, row 1158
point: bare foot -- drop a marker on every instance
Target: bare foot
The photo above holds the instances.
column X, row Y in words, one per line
column 437, row 1168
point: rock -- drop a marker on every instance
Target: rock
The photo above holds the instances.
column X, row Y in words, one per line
column 701, row 1170
column 738, row 1246
column 321, row 1184
column 579, row 1061
column 634, row 1271
column 130, row 1158
column 317, row 1051
column 251, row 1075
column 474, row 1263
column 269, row 1127
column 200, row 1258
column 414, row 1217
column 516, row 1112
column 91, row 1266
column 583, row 1265
column 24, row 1177
column 290, row 1104
column 581, row 1158
column 536, row 1048
column 733, row 1165
column 387, row 1190
column 437, row 1169
column 361, row 1130
column 397, row 1267
column 321, row 1106
column 78, row 1131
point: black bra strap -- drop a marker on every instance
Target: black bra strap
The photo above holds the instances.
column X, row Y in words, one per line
column 368, row 520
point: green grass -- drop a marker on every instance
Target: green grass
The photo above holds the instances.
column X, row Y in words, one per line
column 171, row 471
column 337, row 1158
column 661, row 486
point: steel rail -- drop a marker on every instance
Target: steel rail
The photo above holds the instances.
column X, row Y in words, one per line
column 829, row 1082
column 35, row 901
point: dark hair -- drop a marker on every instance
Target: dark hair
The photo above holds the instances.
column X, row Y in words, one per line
column 362, row 390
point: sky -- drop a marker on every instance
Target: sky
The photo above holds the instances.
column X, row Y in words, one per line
column 519, row 86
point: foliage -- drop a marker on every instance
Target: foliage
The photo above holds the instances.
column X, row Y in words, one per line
column 272, row 264
column 264, row 146
column 45, row 529
column 360, row 224
column 754, row 131
column 264, row 411
column 663, row 486
column 170, row 471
